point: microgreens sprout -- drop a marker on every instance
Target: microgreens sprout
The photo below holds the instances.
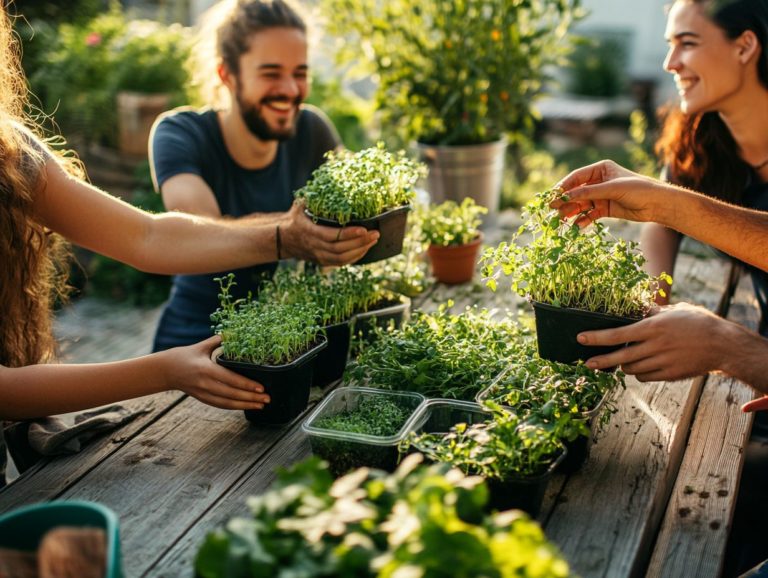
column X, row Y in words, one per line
column 452, row 224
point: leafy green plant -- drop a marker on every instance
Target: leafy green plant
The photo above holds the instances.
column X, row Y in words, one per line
column 336, row 295
column 360, row 185
column 452, row 224
column 263, row 334
column 441, row 354
column 454, row 73
column 567, row 266
column 558, row 395
column 498, row 449
column 350, row 114
column 416, row 522
column 374, row 416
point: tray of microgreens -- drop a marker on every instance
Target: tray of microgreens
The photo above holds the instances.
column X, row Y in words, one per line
column 341, row 297
column 372, row 188
column 275, row 344
column 576, row 279
column 357, row 426
column 516, row 457
column 441, row 354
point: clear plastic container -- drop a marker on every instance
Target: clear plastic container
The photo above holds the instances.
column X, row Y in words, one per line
column 437, row 416
column 440, row 415
column 348, row 450
column 578, row 449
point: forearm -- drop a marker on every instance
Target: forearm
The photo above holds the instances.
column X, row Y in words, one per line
column 40, row 390
column 746, row 357
column 178, row 243
column 738, row 231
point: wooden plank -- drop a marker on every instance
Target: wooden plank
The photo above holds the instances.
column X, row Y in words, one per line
column 605, row 520
column 161, row 482
column 50, row 478
column 695, row 529
column 178, row 559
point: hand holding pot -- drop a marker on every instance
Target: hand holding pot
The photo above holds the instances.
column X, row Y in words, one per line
column 661, row 346
column 191, row 370
column 303, row 239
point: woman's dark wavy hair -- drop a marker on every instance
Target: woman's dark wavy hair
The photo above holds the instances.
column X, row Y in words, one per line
column 699, row 150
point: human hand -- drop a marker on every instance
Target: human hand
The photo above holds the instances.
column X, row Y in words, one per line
column 191, row 370
column 303, row 239
column 759, row 404
column 677, row 342
column 605, row 189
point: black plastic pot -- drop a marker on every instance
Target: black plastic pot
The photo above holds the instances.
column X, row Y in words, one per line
column 332, row 360
column 287, row 385
column 391, row 226
column 396, row 310
column 557, row 328
column 522, row 493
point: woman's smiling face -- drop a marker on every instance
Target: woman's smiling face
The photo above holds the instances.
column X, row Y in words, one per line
column 706, row 63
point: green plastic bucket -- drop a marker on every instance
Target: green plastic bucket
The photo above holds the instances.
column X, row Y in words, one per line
column 24, row 528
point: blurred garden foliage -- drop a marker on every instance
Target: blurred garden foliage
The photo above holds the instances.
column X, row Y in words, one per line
column 76, row 68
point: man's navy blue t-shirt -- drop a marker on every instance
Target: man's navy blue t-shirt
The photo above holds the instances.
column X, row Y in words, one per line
column 191, row 142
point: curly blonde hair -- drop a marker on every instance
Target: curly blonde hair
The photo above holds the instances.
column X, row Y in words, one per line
column 35, row 261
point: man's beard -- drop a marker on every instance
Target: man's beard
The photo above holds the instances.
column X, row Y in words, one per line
column 258, row 126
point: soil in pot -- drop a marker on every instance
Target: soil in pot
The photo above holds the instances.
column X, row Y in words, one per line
column 454, row 264
column 557, row 328
column 332, row 360
column 287, row 385
column 391, row 226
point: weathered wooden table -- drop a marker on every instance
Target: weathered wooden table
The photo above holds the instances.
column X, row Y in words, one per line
column 655, row 497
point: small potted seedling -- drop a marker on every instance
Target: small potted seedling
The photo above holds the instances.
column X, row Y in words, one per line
column 372, row 188
column 571, row 398
column 440, row 354
column 340, row 297
column 275, row 344
column 516, row 458
column 357, row 426
column 576, row 279
column 454, row 238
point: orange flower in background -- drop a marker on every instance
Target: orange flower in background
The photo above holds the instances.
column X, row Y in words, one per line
column 448, row 44
column 504, row 95
column 484, row 98
column 495, row 35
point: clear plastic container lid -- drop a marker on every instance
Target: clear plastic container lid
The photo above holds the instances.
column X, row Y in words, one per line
column 348, row 398
column 439, row 415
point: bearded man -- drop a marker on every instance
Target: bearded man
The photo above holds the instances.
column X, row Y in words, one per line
column 245, row 155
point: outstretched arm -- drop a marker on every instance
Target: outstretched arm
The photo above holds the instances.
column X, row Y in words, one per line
column 606, row 189
column 39, row 390
column 300, row 237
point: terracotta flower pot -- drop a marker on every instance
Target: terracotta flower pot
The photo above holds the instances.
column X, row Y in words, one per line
column 455, row 264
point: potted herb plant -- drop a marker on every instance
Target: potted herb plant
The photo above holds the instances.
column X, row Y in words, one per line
column 456, row 77
column 275, row 344
column 340, row 297
column 576, row 279
column 372, row 188
column 454, row 238
column 515, row 457
column 370, row 524
column 571, row 398
column 357, row 426
column 437, row 354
